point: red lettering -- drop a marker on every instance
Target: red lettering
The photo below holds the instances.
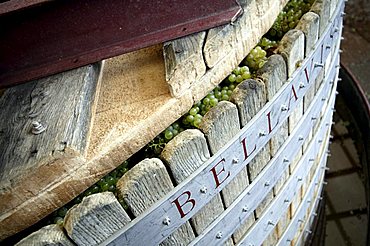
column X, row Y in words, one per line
column 293, row 95
column 269, row 122
column 216, row 174
column 188, row 200
column 246, row 155
column 307, row 76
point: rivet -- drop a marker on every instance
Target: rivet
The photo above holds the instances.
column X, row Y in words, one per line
column 308, row 201
column 337, row 66
column 245, row 209
column 320, row 198
column 299, row 179
column 248, row 193
column 340, row 51
column 328, row 47
column 300, row 138
column 267, row 183
column 203, row 190
column 166, row 221
column 318, row 65
column 341, row 38
column 311, row 159
column 286, row 159
column 270, row 223
column 314, row 118
column 261, row 134
column 336, row 29
column 286, row 200
column 342, row 14
column 320, row 141
column 284, row 108
column 331, row 82
column 339, row 79
column 323, row 99
column 314, row 214
column 300, row 221
column 308, row 231
column 219, row 235
column 336, row 93
column 289, row 240
column 324, row 183
column 37, row 127
column 235, row 160
column 301, row 85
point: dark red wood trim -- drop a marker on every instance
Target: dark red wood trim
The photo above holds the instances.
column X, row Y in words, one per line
column 61, row 35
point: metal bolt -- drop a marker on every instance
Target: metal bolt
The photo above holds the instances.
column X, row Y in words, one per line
column 341, row 38
column 342, row 14
column 340, row 51
column 300, row 179
column 267, row 184
column 289, row 240
column 308, row 231
column 300, row 138
column 301, row 85
column 308, row 201
column 311, row 159
column 285, row 159
column 323, row 99
column 286, row 200
column 320, row 141
column 331, row 82
column 37, row 127
column 314, row 214
column 261, row 134
column 328, row 47
column 336, row 93
column 203, row 190
column 339, row 79
column 319, row 65
column 166, row 221
column 270, row 223
column 314, row 118
column 219, row 235
column 284, row 108
column 320, row 198
column 324, row 183
column 245, row 209
column 300, row 221
column 235, row 160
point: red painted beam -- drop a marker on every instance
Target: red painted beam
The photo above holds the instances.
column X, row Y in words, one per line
column 56, row 36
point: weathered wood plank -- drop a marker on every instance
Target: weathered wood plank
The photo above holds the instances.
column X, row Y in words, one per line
column 322, row 8
column 184, row 62
column 29, row 159
column 182, row 164
column 220, row 125
column 291, row 47
column 309, row 25
column 96, row 218
column 48, row 235
column 142, row 186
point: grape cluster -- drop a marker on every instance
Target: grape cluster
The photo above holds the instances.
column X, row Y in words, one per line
column 107, row 183
column 267, row 44
column 289, row 17
column 256, row 58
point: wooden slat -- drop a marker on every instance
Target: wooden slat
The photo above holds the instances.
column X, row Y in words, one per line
column 182, row 164
column 322, row 8
column 184, row 62
column 96, row 218
column 48, row 235
column 220, row 125
column 36, row 161
column 142, row 186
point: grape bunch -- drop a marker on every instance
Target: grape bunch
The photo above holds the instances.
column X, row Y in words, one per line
column 289, row 17
column 256, row 58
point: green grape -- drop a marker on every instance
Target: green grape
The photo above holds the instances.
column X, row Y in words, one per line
column 168, row 134
column 206, row 101
column 231, row 87
column 112, row 188
column 232, row 78
column 175, row 132
column 213, row 102
column 239, row 78
column 62, row 212
column 110, row 180
column 225, row 97
column 218, row 94
column 59, row 221
column 105, row 187
column 236, row 71
column 95, row 189
column 190, row 118
column 193, row 111
column 176, row 126
column 246, row 76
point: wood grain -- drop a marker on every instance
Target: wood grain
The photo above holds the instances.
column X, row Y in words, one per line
column 322, row 8
column 184, row 62
column 29, row 160
column 96, row 218
column 143, row 185
column 182, row 164
column 48, row 235
column 309, row 25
